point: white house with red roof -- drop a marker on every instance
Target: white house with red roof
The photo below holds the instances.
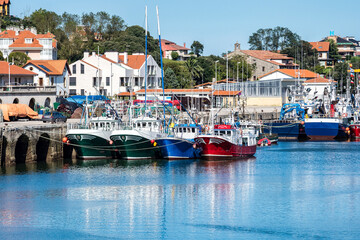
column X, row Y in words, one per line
column 18, row 76
column 116, row 72
column 169, row 47
column 50, row 73
column 36, row 46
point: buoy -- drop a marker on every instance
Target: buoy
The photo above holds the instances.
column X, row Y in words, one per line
column 302, row 122
column 111, row 142
column 65, row 139
column 152, row 141
column 194, row 145
column 155, row 144
column 347, row 129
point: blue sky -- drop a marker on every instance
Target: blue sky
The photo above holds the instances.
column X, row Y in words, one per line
column 216, row 24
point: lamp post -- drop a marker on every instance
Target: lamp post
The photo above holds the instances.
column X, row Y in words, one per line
column 237, row 73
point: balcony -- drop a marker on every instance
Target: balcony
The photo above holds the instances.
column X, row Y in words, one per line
column 26, row 89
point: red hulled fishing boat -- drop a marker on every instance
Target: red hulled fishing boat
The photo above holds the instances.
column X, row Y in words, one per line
column 227, row 142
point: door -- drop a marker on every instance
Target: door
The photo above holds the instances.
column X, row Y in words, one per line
column 41, row 82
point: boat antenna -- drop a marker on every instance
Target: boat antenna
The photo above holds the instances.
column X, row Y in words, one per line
column 161, row 61
column 146, row 49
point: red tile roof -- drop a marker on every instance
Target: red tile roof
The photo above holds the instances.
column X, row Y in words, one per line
column 19, row 39
column 126, row 94
column 2, row 2
column 175, row 90
column 14, row 70
column 294, row 73
column 171, row 46
column 220, row 81
column 50, row 67
column 321, row 46
column 319, row 80
column 134, row 61
column 266, row 55
column 226, row 93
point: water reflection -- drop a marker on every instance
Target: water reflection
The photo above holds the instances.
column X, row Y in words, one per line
column 273, row 196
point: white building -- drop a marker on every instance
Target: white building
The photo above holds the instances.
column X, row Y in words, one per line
column 51, row 73
column 36, row 46
column 116, row 73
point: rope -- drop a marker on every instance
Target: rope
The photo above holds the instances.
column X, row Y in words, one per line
column 109, row 148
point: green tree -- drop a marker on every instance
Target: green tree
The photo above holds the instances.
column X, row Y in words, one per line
column 197, row 48
column 341, row 74
column 170, row 79
column 194, row 68
column 174, row 55
column 275, row 39
column 304, row 54
column 333, row 50
column 45, row 21
column 70, row 22
column 1, row 56
column 18, row 58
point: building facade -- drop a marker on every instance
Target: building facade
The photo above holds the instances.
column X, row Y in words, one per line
column 113, row 73
column 169, row 47
column 5, row 7
column 263, row 61
column 347, row 49
column 323, row 49
column 36, row 46
column 53, row 73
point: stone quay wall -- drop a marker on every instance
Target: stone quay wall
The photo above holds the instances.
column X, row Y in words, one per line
column 27, row 142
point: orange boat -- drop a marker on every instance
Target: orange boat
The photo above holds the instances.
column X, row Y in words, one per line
column 15, row 111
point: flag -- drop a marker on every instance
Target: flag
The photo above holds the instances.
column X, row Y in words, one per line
column 352, row 72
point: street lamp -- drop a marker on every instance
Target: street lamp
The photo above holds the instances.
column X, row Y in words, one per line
column 216, row 70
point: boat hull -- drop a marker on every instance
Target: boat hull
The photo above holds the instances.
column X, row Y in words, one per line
column 90, row 146
column 133, row 146
column 286, row 130
column 214, row 148
column 322, row 129
column 177, row 148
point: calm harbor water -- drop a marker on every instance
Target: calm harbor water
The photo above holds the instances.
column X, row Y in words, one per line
column 292, row 190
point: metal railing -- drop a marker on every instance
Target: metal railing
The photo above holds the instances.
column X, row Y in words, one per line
column 26, row 88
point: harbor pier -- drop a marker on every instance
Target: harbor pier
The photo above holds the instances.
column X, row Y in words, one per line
column 31, row 141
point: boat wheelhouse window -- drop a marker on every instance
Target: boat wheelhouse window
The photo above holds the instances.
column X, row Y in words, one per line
column 193, row 130
column 138, row 124
column 222, row 132
column 180, row 130
column 228, row 133
column 144, row 124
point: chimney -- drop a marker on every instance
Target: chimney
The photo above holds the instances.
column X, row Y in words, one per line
column 93, row 53
column 125, row 57
column 113, row 55
column 184, row 44
column 86, row 54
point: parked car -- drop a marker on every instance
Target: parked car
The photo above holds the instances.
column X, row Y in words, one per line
column 53, row 117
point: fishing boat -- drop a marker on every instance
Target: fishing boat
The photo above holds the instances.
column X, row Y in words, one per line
column 138, row 141
column 180, row 144
column 92, row 140
column 227, row 142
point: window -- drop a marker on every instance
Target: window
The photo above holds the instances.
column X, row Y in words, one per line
column 74, row 69
column 94, row 82
column 28, row 40
column 107, row 81
column 82, row 91
column 263, row 69
column 72, row 81
column 82, row 68
column 122, row 82
column 72, row 91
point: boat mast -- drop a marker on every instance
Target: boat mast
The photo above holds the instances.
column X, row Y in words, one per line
column 146, row 45
column 161, row 61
